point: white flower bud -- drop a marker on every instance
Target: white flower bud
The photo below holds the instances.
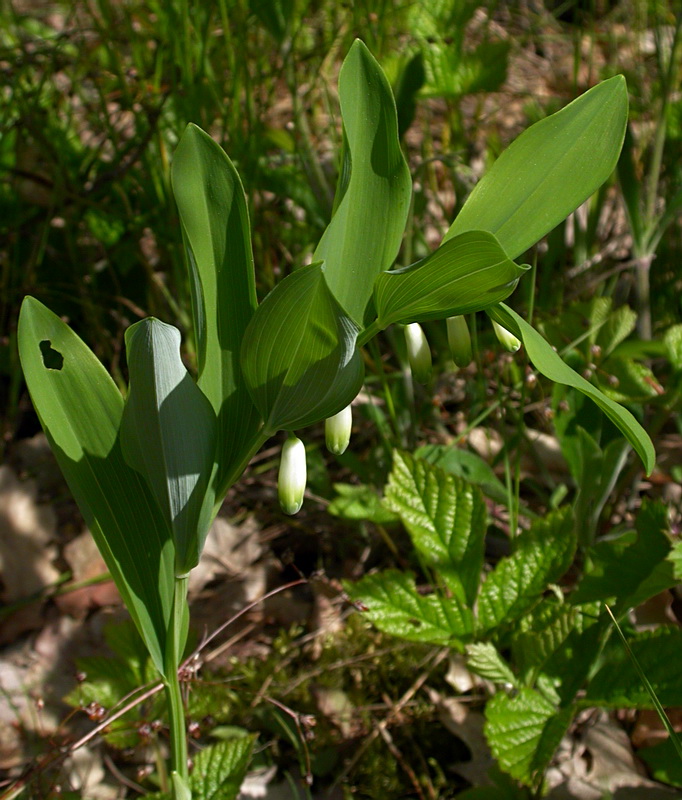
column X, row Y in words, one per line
column 337, row 431
column 459, row 341
column 505, row 338
column 292, row 475
column 418, row 352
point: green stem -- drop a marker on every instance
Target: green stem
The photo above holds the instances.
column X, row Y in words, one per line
column 176, row 711
column 369, row 333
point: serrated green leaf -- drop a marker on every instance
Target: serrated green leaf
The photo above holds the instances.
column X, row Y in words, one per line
column 541, row 556
column 80, row 409
column 524, row 731
column 616, row 328
column 168, row 435
column 630, row 571
column 543, row 632
column 374, row 192
column 445, row 517
column 568, row 668
column 617, row 683
column 396, row 607
column 219, row 770
column 215, row 226
column 299, row 357
column 673, row 345
column 466, row 274
column 549, row 170
column 467, row 465
column 552, row 367
column 360, row 503
column 484, row 659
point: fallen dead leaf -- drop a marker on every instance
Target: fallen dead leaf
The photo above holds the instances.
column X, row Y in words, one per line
column 86, row 563
column 27, row 551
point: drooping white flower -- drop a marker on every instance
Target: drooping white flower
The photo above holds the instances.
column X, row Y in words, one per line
column 337, row 431
column 292, row 475
column 418, row 352
column 505, row 338
column 459, row 340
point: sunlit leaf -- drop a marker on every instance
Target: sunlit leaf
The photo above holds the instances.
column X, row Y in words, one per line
column 549, row 170
column 80, row 409
column 299, row 357
column 168, row 434
column 373, row 196
column 551, row 366
column 524, row 731
column 541, row 556
column 467, row 273
column 445, row 516
column 394, row 606
column 215, row 227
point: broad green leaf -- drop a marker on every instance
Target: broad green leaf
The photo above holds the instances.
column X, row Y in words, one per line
column 80, row 409
column 219, row 770
column 373, row 198
column 549, row 170
column 215, row 227
column 617, row 684
column 523, row 732
column 552, row 367
column 396, row 607
column 445, row 517
column 484, row 659
column 541, row 556
column 360, row 503
column 467, row 273
column 299, row 357
column 168, row 435
column 627, row 569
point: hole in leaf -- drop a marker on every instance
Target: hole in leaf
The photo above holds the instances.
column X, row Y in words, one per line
column 52, row 359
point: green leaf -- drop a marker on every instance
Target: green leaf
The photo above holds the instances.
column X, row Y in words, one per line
column 541, row 556
column 542, row 633
column 360, row 503
column 168, row 435
column 396, row 607
column 618, row 685
column 215, row 227
column 630, row 571
column 466, row 274
column 523, row 732
column 552, row 367
column 663, row 762
column 372, row 201
column 467, row 465
column 219, row 770
column 299, row 357
column 80, row 409
column 673, row 346
column 445, row 517
column 549, row 170
column 484, row 659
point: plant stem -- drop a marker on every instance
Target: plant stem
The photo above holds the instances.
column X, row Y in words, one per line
column 369, row 332
column 176, row 711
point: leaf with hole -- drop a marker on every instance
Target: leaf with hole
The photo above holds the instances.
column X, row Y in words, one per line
column 80, row 409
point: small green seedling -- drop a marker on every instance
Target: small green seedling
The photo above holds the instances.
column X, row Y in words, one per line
column 150, row 471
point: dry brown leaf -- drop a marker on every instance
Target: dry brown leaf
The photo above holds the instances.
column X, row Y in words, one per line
column 86, row 563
